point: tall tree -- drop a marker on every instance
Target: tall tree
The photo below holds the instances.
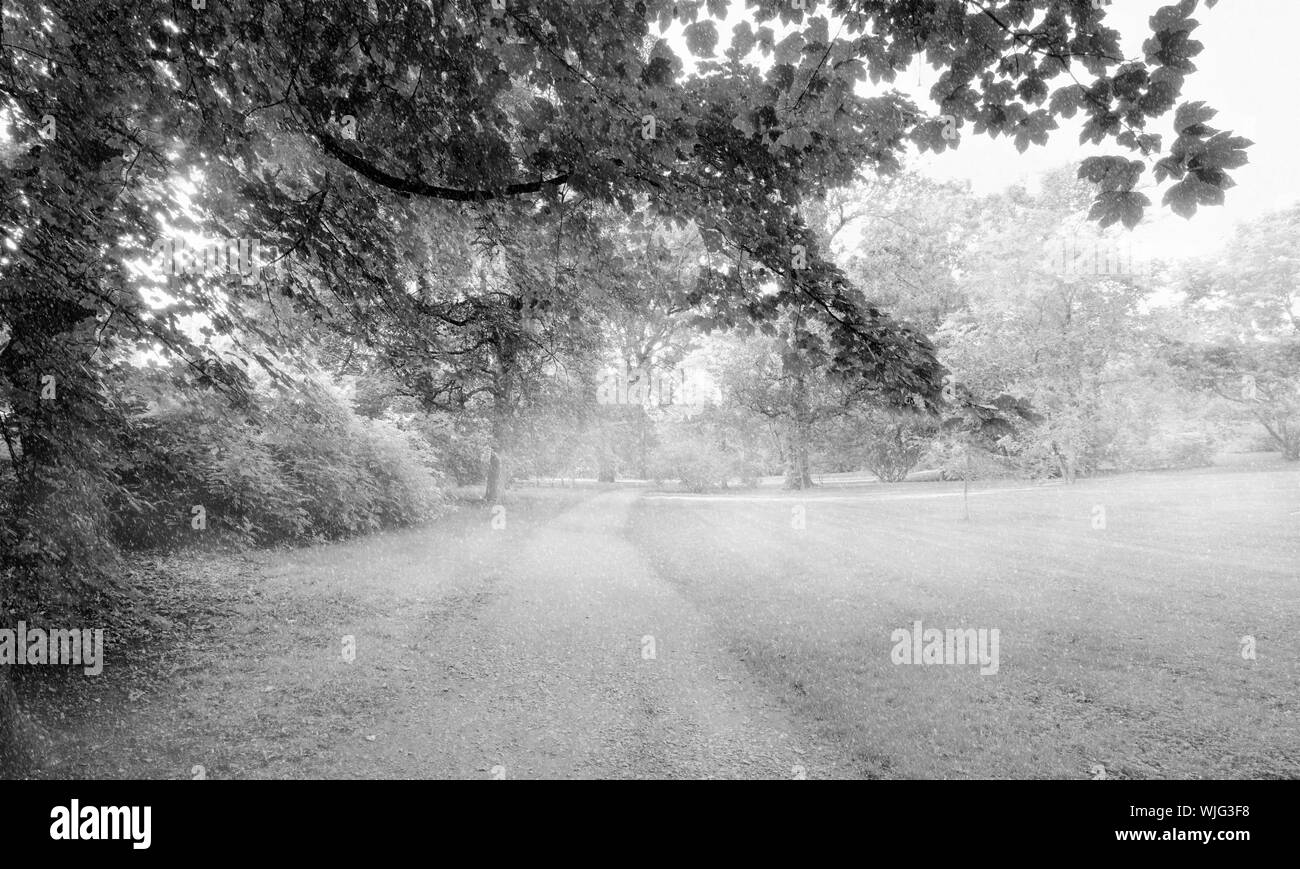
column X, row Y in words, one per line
column 1243, row 340
column 1058, row 334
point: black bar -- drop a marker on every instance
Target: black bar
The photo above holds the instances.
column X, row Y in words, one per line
column 330, row 819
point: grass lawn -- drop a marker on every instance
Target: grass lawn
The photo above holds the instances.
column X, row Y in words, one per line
column 240, row 672
column 1121, row 646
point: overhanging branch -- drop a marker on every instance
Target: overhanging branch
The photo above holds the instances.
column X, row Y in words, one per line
column 415, row 187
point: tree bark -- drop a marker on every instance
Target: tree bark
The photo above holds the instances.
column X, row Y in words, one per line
column 495, row 477
column 1287, row 439
column 14, row 753
column 607, row 455
column 643, row 448
column 965, row 485
column 504, row 399
column 798, row 473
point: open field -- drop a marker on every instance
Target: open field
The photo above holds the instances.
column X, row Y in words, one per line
column 625, row 633
column 1120, row 646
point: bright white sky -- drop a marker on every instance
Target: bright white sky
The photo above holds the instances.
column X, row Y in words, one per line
column 1245, row 72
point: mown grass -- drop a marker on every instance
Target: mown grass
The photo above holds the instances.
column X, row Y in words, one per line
column 1120, row 646
column 234, row 668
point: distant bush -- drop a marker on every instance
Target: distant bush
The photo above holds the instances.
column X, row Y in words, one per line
column 1034, row 459
column 458, row 441
column 698, row 467
column 896, row 446
column 1168, row 451
column 746, row 473
column 887, row 443
column 702, row 459
column 956, row 460
column 1257, row 442
column 1126, row 450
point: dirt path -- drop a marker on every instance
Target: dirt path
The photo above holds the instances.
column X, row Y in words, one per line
column 546, row 649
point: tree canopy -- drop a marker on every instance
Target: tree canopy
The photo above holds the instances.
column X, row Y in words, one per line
column 317, row 124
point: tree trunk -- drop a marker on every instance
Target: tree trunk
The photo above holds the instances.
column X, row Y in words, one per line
column 805, row 468
column 497, row 467
column 495, row 477
column 797, row 467
column 14, row 754
column 965, row 485
column 503, row 412
column 643, row 448
column 607, row 457
column 1289, row 439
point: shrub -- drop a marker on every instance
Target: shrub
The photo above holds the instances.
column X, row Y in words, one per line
column 1173, row 451
column 403, row 466
column 957, row 459
column 300, row 464
column 887, row 443
column 697, row 467
column 193, row 451
column 895, row 447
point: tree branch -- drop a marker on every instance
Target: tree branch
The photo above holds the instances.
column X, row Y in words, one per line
column 409, row 186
